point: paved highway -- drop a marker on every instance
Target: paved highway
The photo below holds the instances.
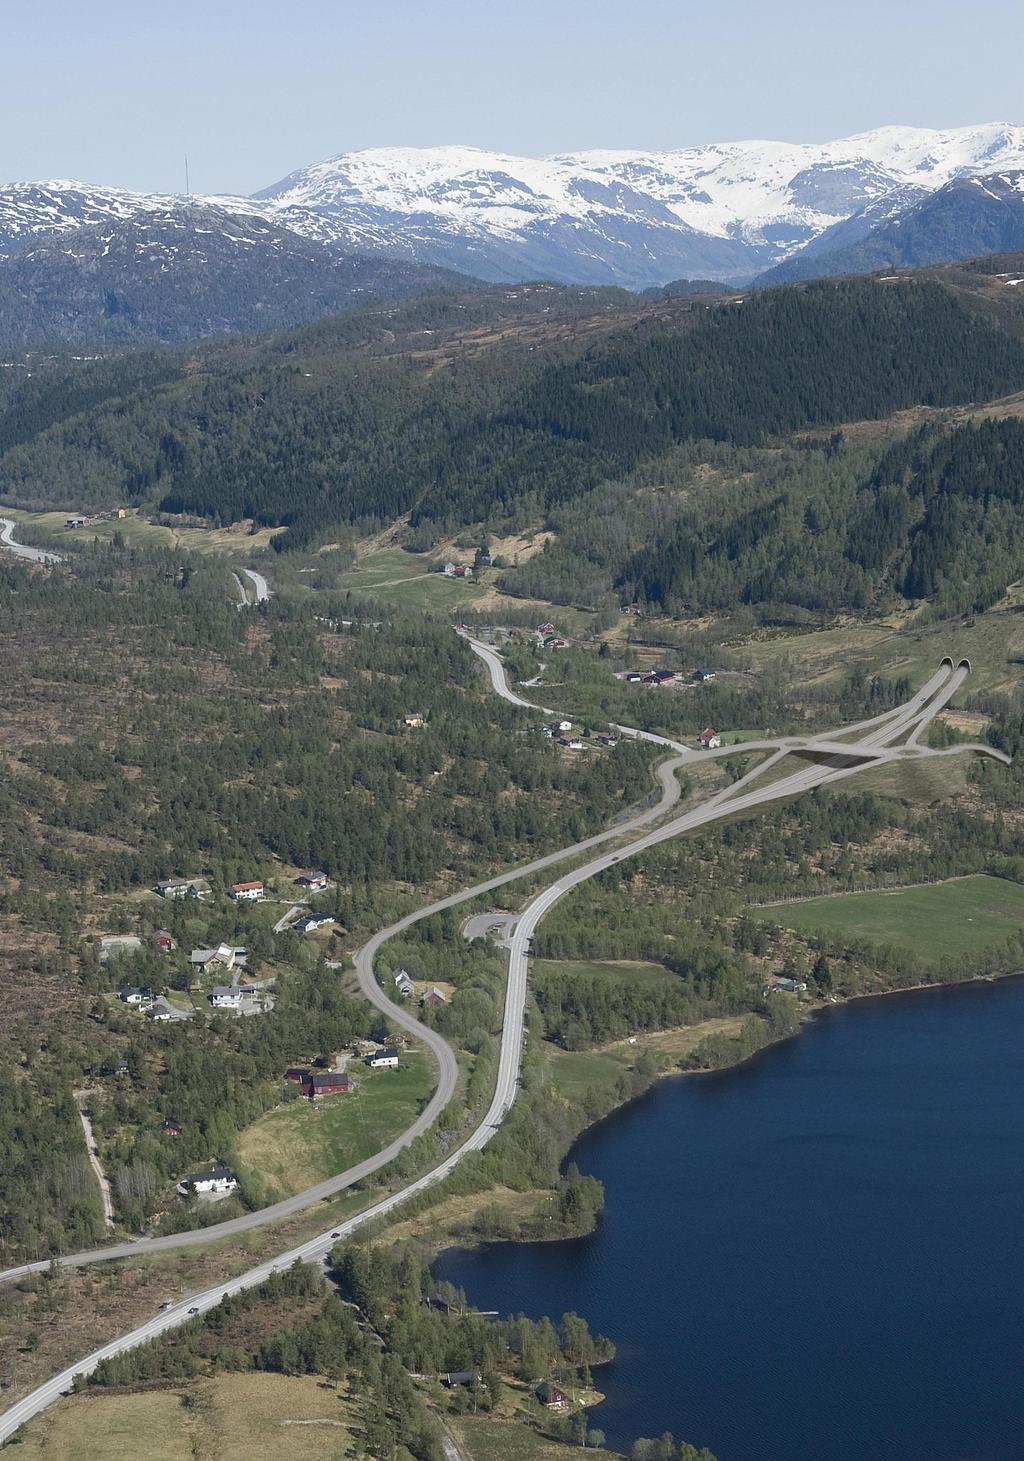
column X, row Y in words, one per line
column 259, row 583
column 828, row 760
column 35, row 555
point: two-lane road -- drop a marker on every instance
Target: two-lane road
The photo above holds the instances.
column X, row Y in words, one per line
column 742, row 796
column 34, row 555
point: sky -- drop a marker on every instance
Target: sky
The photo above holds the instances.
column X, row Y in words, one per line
column 108, row 91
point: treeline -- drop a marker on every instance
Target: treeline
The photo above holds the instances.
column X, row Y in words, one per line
column 48, row 1196
column 581, row 1009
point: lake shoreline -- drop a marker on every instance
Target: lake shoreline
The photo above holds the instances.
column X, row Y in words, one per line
column 817, row 1013
column 768, row 1205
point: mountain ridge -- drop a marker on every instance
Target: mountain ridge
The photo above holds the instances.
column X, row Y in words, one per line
column 633, row 217
column 176, row 274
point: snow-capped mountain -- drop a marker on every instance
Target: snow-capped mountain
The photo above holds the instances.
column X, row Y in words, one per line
column 966, row 218
column 634, row 217
column 30, row 212
column 725, row 211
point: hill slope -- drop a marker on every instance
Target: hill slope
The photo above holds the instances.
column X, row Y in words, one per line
column 181, row 273
column 464, row 410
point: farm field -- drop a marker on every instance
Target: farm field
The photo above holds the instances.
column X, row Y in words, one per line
column 397, row 577
column 139, row 530
column 242, row 1417
column 302, row 1142
column 956, row 918
column 609, row 969
column 481, row 1439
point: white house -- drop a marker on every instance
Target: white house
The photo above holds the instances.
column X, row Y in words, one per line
column 247, row 892
column 162, row 1009
column 184, row 888
column 316, row 880
column 217, row 1179
column 710, row 739
column 226, row 997
column 312, row 921
column 383, row 1059
column 403, row 981
column 132, row 994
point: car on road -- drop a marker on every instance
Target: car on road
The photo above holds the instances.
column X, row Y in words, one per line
column 194, row 1309
column 335, row 1235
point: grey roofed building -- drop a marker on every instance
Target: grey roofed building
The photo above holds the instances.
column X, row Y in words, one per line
column 226, row 996
column 162, row 1009
column 216, row 1179
column 133, row 994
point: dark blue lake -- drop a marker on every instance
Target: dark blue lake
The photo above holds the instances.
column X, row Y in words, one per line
column 817, row 1257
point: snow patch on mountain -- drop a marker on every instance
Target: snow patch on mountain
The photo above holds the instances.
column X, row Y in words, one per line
column 635, row 217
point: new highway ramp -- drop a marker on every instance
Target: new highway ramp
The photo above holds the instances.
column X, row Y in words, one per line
column 817, row 761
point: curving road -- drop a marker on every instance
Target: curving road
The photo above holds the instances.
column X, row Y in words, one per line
column 829, row 759
column 259, row 583
column 34, row 555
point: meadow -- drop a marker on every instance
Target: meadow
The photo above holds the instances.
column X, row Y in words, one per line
column 952, row 919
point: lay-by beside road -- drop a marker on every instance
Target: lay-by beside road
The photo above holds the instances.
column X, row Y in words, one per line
column 825, row 761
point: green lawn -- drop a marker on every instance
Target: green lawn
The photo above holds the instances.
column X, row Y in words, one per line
column 302, row 1142
column 956, row 918
column 574, row 1072
column 407, row 578
column 136, row 529
column 254, row 1417
column 483, row 1439
column 613, row 969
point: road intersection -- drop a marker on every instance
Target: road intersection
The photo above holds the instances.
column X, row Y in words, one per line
column 818, row 760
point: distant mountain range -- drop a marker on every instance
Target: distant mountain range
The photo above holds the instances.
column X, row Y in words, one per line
column 176, row 273
column 730, row 212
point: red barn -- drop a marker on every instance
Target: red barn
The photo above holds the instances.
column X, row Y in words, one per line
column 328, row 1083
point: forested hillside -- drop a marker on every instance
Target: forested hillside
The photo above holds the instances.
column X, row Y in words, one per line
column 316, row 429
column 149, row 729
column 810, row 529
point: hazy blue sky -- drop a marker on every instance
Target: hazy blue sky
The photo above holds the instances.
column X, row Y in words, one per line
column 117, row 90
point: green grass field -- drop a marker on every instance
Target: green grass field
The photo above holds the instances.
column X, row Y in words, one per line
column 404, row 578
column 612, row 969
column 302, row 1142
column 483, row 1439
column 236, row 539
column 954, row 919
column 258, row 1417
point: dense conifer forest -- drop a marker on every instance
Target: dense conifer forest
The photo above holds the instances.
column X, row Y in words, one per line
column 332, row 425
